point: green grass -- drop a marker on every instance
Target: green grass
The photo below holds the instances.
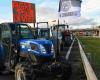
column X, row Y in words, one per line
column 92, row 46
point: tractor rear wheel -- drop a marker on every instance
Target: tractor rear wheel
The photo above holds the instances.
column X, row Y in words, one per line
column 22, row 72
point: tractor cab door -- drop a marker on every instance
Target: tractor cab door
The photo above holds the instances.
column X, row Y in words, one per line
column 24, row 32
column 1, row 50
column 6, row 42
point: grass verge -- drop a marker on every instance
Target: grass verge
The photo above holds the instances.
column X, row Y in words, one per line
column 92, row 49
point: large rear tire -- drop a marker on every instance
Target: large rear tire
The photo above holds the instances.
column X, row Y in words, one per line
column 22, row 72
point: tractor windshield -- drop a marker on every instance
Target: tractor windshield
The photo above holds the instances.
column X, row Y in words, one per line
column 25, row 32
column 22, row 30
column 44, row 33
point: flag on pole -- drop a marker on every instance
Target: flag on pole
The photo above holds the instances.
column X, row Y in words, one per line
column 69, row 8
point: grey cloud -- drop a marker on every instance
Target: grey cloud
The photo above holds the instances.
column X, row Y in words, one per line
column 81, row 21
column 47, row 13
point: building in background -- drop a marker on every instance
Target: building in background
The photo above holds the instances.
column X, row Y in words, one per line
column 94, row 32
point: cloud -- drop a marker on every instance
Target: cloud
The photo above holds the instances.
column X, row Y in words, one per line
column 49, row 3
column 80, row 21
column 50, row 14
column 5, row 20
column 91, row 9
column 47, row 10
column 90, row 14
column 90, row 5
column 47, row 13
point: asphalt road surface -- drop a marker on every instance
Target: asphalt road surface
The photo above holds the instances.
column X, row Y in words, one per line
column 78, row 72
column 11, row 77
column 7, row 77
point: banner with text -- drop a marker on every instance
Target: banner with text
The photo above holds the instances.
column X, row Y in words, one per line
column 23, row 12
column 69, row 8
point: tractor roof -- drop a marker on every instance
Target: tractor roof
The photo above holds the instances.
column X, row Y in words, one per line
column 12, row 23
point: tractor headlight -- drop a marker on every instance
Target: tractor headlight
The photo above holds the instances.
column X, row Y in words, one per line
column 33, row 58
column 42, row 49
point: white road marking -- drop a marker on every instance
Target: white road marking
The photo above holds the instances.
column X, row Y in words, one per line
column 69, row 50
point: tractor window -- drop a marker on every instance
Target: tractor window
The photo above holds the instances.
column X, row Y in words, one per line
column 6, row 40
column 6, row 33
column 25, row 32
column 44, row 33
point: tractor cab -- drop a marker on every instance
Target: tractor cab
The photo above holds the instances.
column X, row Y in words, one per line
column 44, row 32
column 17, row 40
column 28, row 56
column 66, row 34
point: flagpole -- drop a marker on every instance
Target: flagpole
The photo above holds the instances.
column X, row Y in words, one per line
column 57, row 54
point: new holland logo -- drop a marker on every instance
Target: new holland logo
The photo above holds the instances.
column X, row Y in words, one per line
column 66, row 5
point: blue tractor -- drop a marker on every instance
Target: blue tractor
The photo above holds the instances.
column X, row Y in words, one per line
column 27, row 56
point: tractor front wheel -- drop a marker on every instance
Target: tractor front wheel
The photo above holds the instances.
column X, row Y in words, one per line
column 23, row 73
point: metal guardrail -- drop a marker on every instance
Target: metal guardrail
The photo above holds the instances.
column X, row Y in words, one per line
column 88, row 69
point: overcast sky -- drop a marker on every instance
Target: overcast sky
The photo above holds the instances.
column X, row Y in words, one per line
column 47, row 10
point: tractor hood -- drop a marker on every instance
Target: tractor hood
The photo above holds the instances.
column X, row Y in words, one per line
column 42, row 48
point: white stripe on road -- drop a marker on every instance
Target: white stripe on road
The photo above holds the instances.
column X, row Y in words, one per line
column 69, row 50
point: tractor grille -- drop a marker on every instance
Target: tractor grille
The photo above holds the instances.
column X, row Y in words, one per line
column 47, row 47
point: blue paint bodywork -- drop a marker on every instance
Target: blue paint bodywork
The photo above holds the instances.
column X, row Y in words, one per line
column 25, row 46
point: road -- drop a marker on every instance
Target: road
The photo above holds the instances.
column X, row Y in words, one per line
column 78, row 72
column 7, row 77
column 11, row 77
